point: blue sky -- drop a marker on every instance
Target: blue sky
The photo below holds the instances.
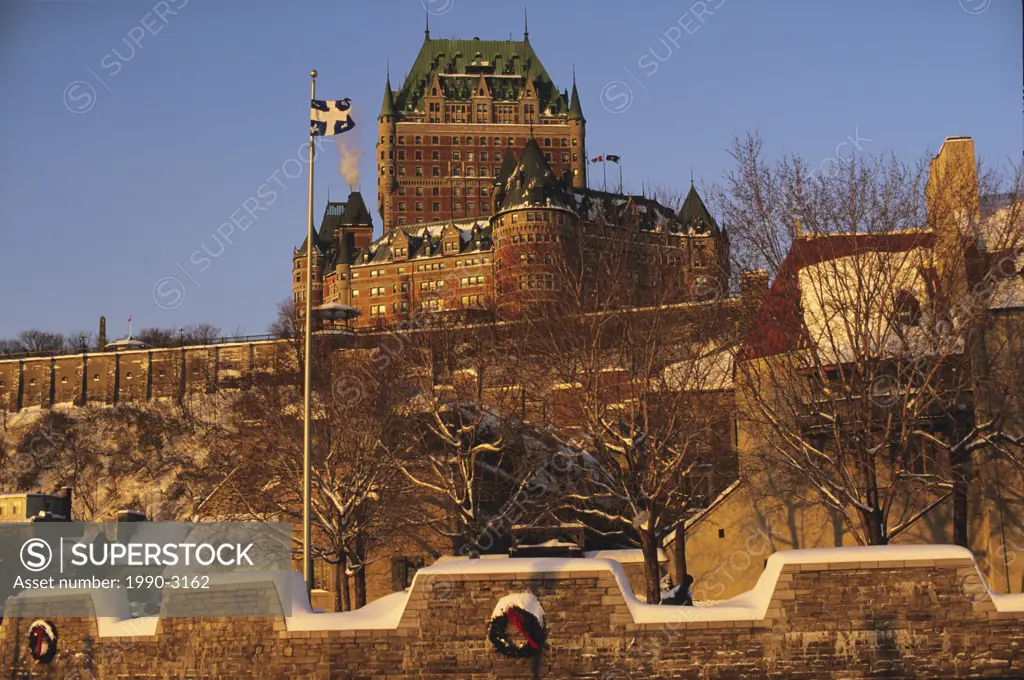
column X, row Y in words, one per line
column 130, row 134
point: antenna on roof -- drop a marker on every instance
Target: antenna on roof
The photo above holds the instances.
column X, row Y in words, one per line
column 691, row 176
column 426, row 30
column 526, row 25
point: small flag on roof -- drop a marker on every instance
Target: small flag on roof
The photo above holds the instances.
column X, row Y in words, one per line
column 612, row 159
column 330, row 117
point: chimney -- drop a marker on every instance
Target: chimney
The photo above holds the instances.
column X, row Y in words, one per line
column 101, row 339
column 67, row 501
column 753, row 291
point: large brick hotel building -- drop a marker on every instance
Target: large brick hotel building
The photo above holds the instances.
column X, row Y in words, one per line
column 481, row 175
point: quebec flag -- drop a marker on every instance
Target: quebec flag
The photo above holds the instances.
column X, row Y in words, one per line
column 330, row 117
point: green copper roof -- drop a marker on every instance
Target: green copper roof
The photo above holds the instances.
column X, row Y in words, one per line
column 459, row 64
column 575, row 110
column 387, row 108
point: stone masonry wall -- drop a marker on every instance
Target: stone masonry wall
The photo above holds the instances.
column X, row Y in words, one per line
column 141, row 375
column 925, row 618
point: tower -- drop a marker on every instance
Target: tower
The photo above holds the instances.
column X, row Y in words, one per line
column 529, row 229
column 444, row 132
column 386, row 121
column 577, row 136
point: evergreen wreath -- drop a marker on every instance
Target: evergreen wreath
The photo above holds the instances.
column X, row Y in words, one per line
column 42, row 641
column 501, row 633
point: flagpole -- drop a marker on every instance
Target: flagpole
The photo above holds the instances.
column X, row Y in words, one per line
column 307, row 533
column 604, row 171
column 619, row 163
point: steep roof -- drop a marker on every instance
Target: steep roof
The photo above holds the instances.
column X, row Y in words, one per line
column 694, row 214
column 337, row 214
column 387, row 107
column 356, row 213
column 778, row 326
column 575, row 110
column 533, row 183
column 505, row 64
column 323, row 238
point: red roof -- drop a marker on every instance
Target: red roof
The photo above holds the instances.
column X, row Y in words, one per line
column 778, row 325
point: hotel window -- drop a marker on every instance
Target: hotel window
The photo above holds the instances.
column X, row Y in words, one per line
column 565, row 142
column 435, row 155
column 419, row 140
column 419, row 171
column 455, row 171
column 469, row 191
column 376, row 273
column 377, row 292
column 455, row 140
column 435, row 191
column 419, row 155
column 547, row 141
column 433, row 140
column 497, row 141
column 470, row 206
column 419, row 206
column 565, row 158
column 575, row 157
column 377, row 310
column 457, row 207
column 432, row 305
column 574, row 141
column 469, row 155
column 483, row 172
column 401, row 154
column 470, row 172
column 483, row 141
column 484, row 205
column 401, row 191
column 436, row 172
column 419, row 191
column 455, row 191
column 436, row 206
column 455, row 155
column 483, row 155
column 401, row 171
column 547, row 156
column 355, row 293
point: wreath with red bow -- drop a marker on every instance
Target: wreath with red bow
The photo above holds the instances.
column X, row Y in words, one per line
column 516, row 633
column 42, row 641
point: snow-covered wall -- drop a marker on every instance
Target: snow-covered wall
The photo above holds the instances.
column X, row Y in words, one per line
column 899, row 611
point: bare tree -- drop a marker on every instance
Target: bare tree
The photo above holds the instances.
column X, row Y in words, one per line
column 463, row 448
column 283, row 325
column 640, row 382
column 260, row 467
column 35, row 340
column 860, row 375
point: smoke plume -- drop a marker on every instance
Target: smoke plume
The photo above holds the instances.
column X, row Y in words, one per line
column 350, row 155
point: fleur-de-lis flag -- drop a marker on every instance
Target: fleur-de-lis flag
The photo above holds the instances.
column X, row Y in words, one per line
column 330, row 117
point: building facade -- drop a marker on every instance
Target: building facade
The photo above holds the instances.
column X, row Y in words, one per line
column 481, row 180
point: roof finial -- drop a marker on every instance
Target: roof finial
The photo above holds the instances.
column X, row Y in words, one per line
column 574, row 73
column 388, row 71
column 526, row 25
column 691, row 176
column 426, row 31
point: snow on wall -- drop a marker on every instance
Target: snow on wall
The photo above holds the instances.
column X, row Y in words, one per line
column 386, row 613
